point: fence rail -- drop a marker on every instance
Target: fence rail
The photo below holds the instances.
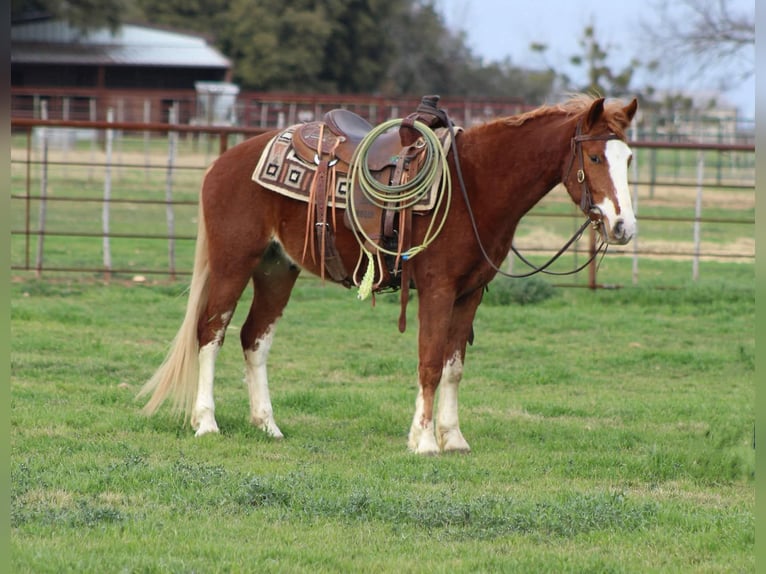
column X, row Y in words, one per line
column 732, row 168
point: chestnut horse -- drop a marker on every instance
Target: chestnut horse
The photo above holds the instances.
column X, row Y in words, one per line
column 250, row 234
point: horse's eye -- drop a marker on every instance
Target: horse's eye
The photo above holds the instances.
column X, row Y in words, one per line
column 594, row 158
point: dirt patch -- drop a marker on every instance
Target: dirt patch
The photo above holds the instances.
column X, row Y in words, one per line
column 681, row 196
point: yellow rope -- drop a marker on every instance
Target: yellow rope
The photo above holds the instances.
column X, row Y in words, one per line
column 365, row 286
column 402, row 196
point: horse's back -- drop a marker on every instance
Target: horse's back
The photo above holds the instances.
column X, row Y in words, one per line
column 231, row 172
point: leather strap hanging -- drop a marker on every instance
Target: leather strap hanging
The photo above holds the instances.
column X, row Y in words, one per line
column 329, row 258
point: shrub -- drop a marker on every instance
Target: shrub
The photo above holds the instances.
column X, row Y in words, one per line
column 507, row 291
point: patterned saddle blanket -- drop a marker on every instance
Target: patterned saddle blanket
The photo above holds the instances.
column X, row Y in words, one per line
column 288, row 168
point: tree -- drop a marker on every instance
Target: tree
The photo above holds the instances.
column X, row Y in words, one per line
column 713, row 34
column 359, row 49
column 82, row 14
column 425, row 51
column 600, row 77
column 431, row 58
column 202, row 16
column 275, row 46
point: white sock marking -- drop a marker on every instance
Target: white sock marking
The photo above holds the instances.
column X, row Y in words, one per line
column 261, row 411
column 203, row 418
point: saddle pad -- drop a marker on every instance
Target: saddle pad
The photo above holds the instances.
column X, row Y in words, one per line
column 282, row 171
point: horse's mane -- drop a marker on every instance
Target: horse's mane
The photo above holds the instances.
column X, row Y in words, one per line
column 575, row 105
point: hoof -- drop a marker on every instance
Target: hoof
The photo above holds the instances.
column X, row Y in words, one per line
column 204, row 424
column 422, row 441
column 268, row 426
column 209, row 429
column 453, row 441
column 272, row 431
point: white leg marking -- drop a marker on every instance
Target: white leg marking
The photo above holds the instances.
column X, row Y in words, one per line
column 617, row 155
column 448, row 433
column 203, row 417
column 261, row 412
column 421, row 439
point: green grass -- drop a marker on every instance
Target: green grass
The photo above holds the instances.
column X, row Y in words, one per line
column 611, row 432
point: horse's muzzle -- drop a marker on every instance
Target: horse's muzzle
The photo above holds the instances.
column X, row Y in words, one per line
column 619, row 233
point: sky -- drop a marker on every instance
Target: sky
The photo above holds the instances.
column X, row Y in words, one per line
column 499, row 29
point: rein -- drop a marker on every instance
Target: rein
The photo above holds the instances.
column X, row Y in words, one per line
column 586, row 204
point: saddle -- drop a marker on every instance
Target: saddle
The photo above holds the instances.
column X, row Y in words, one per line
column 338, row 135
column 313, row 162
column 392, row 157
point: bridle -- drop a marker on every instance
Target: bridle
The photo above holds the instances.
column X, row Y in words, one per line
column 586, row 198
column 586, row 205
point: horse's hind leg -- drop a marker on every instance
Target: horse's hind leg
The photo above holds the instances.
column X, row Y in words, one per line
column 224, row 292
column 273, row 281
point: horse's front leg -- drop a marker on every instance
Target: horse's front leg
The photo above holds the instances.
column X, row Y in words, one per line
column 448, row 435
column 433, row 334
column 424, row 438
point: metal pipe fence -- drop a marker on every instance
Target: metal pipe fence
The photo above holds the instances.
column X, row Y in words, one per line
column 147, row 194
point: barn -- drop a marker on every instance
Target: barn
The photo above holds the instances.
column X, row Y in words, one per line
column 129, row 66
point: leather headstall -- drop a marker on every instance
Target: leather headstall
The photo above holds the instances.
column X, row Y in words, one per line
column 586, row 199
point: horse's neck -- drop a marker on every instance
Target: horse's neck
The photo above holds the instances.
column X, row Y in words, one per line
column 518, row 165
column 509, row 170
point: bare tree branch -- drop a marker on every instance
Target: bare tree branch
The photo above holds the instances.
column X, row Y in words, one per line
column 711, row 35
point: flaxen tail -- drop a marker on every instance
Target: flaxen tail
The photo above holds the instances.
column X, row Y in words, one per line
column 177, row 375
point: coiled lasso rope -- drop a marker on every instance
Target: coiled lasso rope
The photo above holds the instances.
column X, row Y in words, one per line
column 399, row 197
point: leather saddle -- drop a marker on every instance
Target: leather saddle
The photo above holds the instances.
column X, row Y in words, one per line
column 338, row 134
column 391, row 158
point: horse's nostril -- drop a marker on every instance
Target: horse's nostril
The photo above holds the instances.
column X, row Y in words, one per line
column 617, row 230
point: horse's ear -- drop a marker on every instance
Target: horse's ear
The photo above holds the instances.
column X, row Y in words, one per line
column 594, row 113
column 630, row 109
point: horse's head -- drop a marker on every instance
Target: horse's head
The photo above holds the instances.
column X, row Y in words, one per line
column 596, row 175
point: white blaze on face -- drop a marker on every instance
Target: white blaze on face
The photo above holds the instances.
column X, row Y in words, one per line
column 622, row 226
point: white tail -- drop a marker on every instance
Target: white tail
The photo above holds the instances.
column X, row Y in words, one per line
column 177, row 375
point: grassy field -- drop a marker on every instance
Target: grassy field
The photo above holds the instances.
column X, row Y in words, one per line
column 611, row 432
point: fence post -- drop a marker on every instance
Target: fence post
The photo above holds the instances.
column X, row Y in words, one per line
column 43, row 131
column 107, row 197
column 634, row 130
column 718, row 155
column 119, row 134
column 169, row 215
column 698, row 214
column 593, row 266
column 66, row 133
column 147, row 150
column 653, row 159
column 94, row 137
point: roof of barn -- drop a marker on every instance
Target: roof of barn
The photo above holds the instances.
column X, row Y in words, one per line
column 56, row 42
